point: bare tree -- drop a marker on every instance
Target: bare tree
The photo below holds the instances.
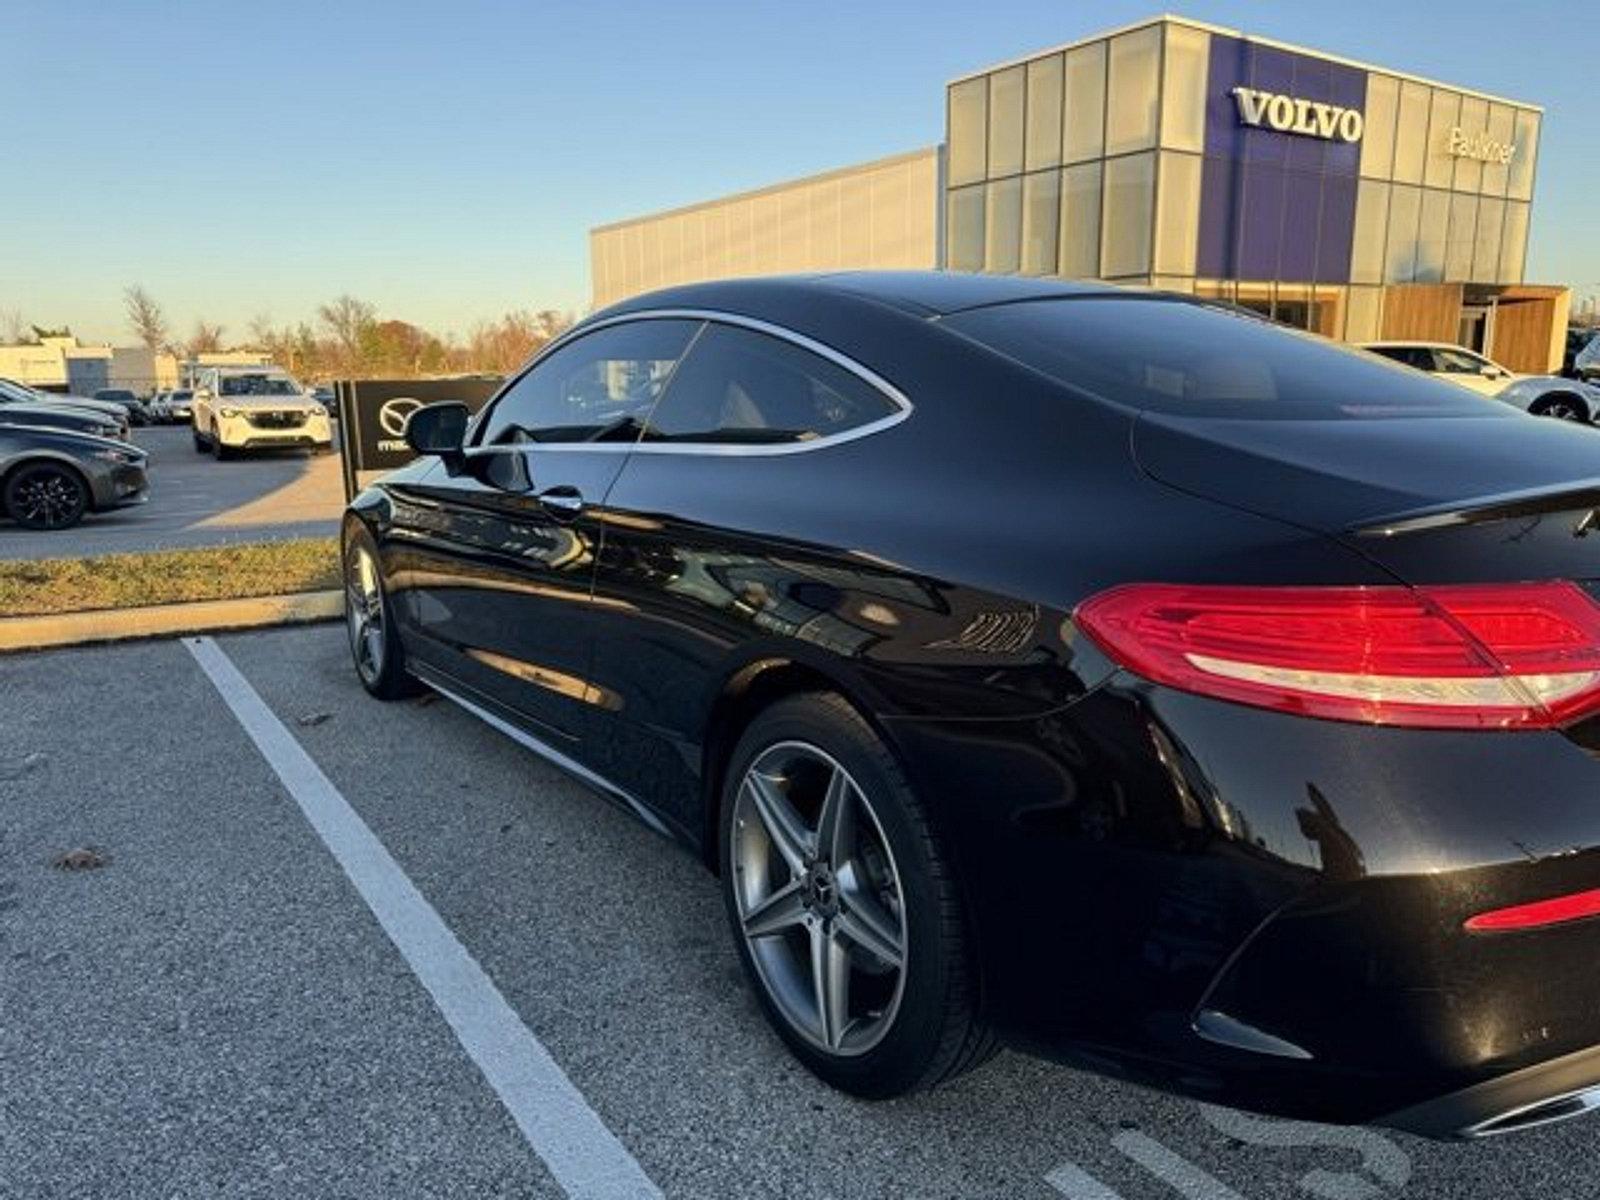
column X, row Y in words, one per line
column 145, row 317
column 13, row 329
column 349, row 321
column 206, row 338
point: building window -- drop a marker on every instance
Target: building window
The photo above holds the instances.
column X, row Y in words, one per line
column 1006, row 94
column 1178, row 218
column 1411, row 132
column 964, row 229
column 1400, row 254
column 1435, row 223
column 1513, row 242
column 1377, row 138
column 1486, row 241
column 1474, row 121
column 1372, row 217
column 1459, row 243
column 1003, row 226
column 1041, row 221
column 1084, row 134
column 1183, row 88
column 1080, row 221
column 1526, row 139
column 1502, row 129
column 1131, row 91
column 1044, row 112
column 1129, row 197
column 968, row 121
column 1444, row 114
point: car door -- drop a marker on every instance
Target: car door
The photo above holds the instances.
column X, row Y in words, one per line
column 498, row 557
column 755, row 443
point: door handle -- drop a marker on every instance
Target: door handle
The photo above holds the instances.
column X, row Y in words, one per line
column 563, row 498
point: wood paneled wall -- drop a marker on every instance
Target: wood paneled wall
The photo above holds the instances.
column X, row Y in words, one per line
column 1422, row 312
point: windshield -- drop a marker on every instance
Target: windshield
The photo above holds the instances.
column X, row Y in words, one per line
column 257, row 385
column 1203, row 360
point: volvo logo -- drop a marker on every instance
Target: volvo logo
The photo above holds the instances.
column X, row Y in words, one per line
column 395, row 413
column 1290, row 114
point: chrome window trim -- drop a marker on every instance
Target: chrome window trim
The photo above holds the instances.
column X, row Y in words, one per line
column 894, row 395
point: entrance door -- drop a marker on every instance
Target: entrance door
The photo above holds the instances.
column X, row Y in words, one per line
column 1474, row 328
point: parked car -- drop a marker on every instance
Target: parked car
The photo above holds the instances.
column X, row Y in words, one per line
column 1577, row 339
column 329, row 400
column 62, row 416
column 49, row 478
column 1586, row 362
column 171, row 407
column 1099, row 672
column 250, row 408
column 1541, row 395
column 12, row 392
column 131, row 403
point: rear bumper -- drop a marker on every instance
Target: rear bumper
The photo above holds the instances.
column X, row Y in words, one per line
column 1267, row 911
column 1558, row 1090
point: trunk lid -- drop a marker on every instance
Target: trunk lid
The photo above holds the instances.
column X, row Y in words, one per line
column 1433, row 499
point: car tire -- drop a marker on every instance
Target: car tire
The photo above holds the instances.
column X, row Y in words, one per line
column 218, row 451
column 807, row 908
column 375, row 644
column 200, row 444
column 1563, row 406
column 46, row 496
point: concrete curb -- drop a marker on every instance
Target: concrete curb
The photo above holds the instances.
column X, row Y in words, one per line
column 166, row 620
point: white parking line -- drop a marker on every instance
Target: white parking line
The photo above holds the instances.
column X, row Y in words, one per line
column 1077, row 1184
column 1172, row 1168
column 585, row 1157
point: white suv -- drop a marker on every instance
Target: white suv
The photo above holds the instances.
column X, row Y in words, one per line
column 255, row 408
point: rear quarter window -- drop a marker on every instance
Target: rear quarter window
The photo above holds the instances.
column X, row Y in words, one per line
column 1194, row 359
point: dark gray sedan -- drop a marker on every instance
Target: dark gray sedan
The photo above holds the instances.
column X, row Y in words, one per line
column 49, row 478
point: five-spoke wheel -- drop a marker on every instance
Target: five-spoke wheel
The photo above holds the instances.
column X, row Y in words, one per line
column 374, row 642
column 845, row 911
column 820, row 900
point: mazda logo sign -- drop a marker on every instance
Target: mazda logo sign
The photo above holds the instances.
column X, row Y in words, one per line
column 395, row 413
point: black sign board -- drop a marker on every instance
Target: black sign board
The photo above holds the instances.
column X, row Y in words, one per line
column 373, row 412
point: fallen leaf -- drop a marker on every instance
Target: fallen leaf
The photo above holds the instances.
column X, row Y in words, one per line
column 84, row 858
column 316, row 718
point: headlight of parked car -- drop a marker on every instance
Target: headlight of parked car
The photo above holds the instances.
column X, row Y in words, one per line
column 117, row 456
column 230, row 412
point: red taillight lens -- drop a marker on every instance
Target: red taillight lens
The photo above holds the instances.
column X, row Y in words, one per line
column 1492, row 656
column 1540, row 913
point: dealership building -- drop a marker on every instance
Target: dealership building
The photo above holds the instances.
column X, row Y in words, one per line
column 1349, row 199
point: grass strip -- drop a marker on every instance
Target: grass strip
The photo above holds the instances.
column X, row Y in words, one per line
column 45, row 586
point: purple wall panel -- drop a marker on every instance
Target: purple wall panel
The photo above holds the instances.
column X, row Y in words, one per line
column 1276, row 205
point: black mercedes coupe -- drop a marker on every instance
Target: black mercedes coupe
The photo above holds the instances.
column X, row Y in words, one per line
column 1110, row 674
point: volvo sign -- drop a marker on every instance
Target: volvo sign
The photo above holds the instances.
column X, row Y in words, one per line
column 1292, row 114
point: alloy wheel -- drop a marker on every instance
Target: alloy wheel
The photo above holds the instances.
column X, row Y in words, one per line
column 819, row 898
column 1564, row 410
column 47, row 498
column 363, row 610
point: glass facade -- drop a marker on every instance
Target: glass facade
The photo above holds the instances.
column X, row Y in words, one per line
column 1130, row 157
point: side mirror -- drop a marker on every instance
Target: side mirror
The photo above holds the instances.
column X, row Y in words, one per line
column 1490, row 371
column 439, row 430
column 202, row 393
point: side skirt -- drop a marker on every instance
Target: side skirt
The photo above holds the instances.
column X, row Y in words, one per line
column 453, row 691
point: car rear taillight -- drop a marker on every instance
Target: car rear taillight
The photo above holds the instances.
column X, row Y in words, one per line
column 1490, row 656
column 1541, row 913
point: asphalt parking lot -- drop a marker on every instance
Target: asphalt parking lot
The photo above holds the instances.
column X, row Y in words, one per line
column 197, row 501
column 340, row 948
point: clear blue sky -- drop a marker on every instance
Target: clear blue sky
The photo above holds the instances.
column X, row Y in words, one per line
column 445, row 161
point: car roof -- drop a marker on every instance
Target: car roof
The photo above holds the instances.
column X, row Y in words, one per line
column 921, row 293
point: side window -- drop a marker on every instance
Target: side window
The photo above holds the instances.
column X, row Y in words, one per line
column 600, row 386
column 740, row 386
column 1459, row 362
